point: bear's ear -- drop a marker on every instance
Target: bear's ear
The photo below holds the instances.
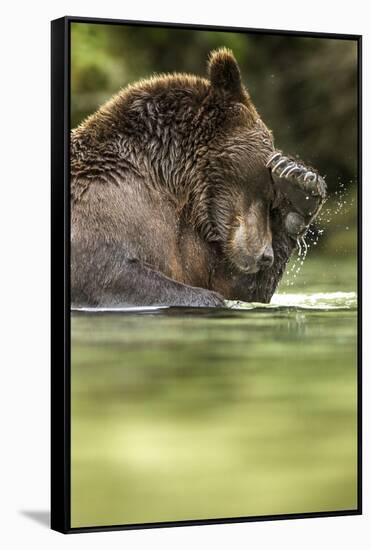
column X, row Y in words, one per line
column 224, row 73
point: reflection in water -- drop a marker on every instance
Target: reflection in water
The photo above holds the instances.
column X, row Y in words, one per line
column 188, row 414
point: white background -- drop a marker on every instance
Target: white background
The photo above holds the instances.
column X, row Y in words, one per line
column 24, row 219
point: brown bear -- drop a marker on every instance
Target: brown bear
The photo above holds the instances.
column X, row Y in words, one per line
column 178, row 196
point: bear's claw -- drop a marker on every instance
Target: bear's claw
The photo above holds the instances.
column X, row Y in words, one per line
column 306, row 178
column 304, row 188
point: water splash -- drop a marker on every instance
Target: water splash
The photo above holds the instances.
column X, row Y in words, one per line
column 344, row 202
column 298, row 242
column 318, row 301
column 298, row 262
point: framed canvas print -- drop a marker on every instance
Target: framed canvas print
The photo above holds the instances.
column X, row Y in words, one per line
column 206, row 188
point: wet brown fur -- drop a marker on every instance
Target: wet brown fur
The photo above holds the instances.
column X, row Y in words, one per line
column 163, row 178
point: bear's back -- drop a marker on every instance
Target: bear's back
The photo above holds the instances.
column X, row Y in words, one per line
column 143, row 107
column 146, row 123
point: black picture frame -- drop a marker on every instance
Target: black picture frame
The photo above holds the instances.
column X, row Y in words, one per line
column 60, row 277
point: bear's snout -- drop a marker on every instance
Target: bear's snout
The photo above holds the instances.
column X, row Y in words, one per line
column 251, row 264
column 267, row 258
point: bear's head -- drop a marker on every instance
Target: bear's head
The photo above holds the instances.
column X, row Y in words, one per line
column 235, row 188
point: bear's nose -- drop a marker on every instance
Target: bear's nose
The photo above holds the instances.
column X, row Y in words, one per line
column 267, row 258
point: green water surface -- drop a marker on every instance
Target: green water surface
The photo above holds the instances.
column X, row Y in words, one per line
column 182, row 414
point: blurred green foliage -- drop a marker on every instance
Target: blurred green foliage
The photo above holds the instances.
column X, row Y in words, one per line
column 304, row 88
